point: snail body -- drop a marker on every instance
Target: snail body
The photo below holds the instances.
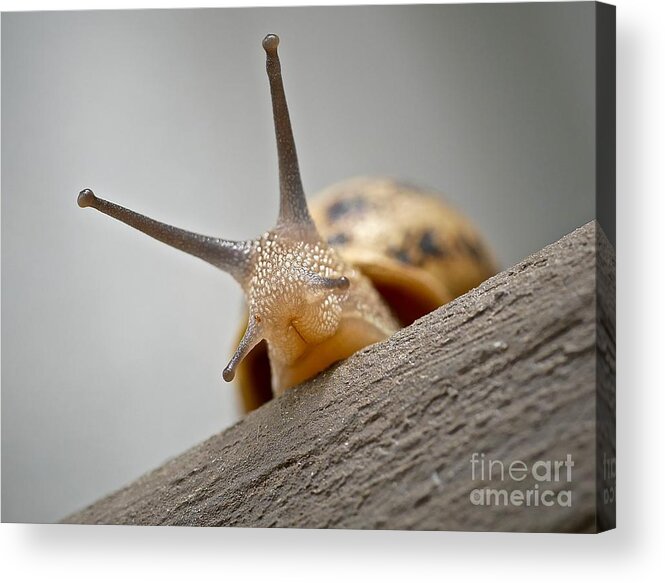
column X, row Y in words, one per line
column 369, row 256
column 417, row 252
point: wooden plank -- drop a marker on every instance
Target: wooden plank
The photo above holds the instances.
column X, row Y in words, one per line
column 385, row 439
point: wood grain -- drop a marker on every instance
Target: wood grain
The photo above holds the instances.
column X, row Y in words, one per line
column 384, row 439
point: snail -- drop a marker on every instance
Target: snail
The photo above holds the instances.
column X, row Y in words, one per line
column 369, row 256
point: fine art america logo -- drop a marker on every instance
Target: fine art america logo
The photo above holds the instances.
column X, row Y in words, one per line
column 540, row 483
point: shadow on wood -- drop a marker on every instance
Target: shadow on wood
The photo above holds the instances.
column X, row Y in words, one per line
column 385, row 439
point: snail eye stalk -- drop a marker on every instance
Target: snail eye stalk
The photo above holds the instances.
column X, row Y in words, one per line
column 230, row 256
column 292, row 203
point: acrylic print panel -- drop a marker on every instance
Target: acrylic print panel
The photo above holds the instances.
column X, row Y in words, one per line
column 113, row 344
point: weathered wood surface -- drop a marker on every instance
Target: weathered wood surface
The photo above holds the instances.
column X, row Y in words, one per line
column 384, row 439
column 605, row 379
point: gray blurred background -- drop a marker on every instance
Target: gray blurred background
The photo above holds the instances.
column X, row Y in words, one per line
column 113, row 344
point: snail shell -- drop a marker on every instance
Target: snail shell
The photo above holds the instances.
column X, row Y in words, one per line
column 418, row 251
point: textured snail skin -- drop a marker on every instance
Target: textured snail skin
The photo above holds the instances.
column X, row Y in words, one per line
column 376, row 255
column 310, row 307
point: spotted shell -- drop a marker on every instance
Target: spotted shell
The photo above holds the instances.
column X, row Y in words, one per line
column 418, row 251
